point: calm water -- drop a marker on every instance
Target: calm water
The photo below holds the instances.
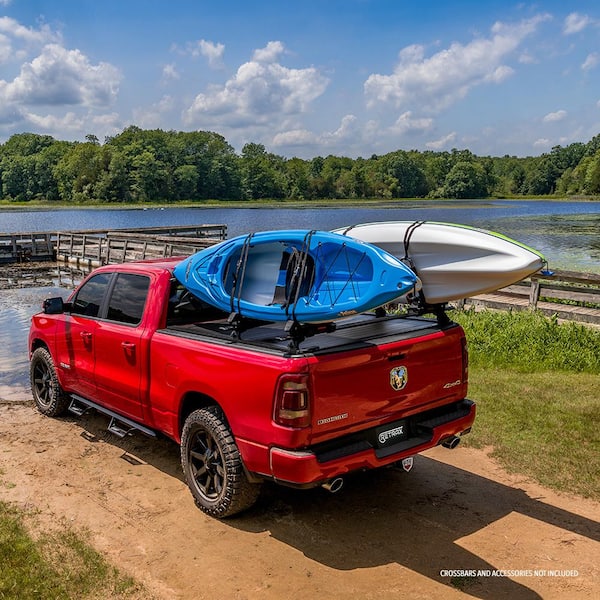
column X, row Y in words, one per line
column 567, row 233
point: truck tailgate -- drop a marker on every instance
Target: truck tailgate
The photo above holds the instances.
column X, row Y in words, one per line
column 383, row 382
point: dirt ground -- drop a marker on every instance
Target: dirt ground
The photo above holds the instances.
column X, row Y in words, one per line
column 456, row 526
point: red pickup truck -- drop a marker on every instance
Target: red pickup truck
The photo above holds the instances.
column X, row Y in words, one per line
column 249, row 401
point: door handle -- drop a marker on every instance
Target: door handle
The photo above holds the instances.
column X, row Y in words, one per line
column 85, row 335
column 128, row 345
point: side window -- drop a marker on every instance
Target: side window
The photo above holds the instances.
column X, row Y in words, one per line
column 89, row 298
column 128, row 298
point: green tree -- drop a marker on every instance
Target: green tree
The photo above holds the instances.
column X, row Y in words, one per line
column 404, row 177
column 592, row 175
column 261, row 173
column 78, row 171
column 113, row 183
column 466, row 179
column 297, row 179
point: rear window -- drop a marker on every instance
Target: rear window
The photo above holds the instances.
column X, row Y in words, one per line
column 128, row 298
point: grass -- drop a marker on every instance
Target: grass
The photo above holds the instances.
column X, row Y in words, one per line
column 536, row 383
column 58, row 565
column 529, row 342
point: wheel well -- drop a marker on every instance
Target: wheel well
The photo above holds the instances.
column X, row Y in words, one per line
column 38, row 344
column 193, row 401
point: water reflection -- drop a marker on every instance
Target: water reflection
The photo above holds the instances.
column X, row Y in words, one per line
column 23, row 291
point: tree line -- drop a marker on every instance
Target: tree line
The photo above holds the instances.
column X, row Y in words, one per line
column 167, row 166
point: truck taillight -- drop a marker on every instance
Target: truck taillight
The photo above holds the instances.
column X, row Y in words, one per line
column 292, row 401
column 465, row 360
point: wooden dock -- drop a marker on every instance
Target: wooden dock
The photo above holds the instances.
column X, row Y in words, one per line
column 92, row 248
column 568, row 295
column 26, row 247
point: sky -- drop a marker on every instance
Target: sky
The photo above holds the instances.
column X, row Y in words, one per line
column 308, row 78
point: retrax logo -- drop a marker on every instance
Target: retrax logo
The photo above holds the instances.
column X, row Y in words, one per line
column 384, row 436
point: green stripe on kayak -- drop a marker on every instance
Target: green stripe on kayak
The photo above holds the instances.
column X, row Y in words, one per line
column 494, row 233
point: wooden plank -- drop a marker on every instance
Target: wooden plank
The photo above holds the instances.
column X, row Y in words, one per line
column 568, row 276
column 570, row 312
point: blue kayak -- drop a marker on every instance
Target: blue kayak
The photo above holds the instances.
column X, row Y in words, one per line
column 297, row 275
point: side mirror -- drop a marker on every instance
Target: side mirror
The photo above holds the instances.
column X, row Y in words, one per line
column 53, row 306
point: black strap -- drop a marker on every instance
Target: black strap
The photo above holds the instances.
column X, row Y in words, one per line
column 238, row 276
column 299, row 274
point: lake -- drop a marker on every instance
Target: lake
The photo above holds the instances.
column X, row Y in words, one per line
column 567, row 233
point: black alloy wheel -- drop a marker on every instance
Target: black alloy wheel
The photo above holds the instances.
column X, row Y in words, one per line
column 49, row 397
column 212, row 465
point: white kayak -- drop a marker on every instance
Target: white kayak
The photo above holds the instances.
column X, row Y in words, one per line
column 452, row 261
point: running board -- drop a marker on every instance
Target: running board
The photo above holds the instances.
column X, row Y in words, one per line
column 119, row 425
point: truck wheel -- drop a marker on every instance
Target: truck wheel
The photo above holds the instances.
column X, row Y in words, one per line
column 212, row 465
column 49, row 397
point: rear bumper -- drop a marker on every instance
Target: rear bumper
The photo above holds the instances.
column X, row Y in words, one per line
column 315, row 465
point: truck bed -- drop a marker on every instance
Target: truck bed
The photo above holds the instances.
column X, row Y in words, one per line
column 354, row 332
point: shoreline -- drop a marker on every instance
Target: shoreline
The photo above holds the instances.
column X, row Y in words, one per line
column 318, row 203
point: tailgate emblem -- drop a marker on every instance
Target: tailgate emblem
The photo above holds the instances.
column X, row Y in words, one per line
column 399, row 378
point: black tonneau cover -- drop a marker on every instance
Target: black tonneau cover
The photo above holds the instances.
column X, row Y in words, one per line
column 365, row 329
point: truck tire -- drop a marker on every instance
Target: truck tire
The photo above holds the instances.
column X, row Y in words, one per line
column 49, row 397
column 212, row 465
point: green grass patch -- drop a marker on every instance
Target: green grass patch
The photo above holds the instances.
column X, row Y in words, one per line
column 537, row 386
column 57, row 565
column 529, row 342
column 544, row 425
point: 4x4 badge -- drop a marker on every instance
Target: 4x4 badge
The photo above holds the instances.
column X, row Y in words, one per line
column 399, row 378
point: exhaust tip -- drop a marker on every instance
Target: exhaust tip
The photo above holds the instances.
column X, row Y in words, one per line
column 451, row 442
column 334, row 485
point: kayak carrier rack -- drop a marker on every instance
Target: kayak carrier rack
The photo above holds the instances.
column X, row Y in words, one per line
column 119, row 425
column 298, row 332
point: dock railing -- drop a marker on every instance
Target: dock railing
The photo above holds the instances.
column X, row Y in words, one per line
column 28, row 246
column 99, row 247
column 94, row 247
column 566, row 294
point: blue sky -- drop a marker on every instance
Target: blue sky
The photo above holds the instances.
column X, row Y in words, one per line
column 344, row 77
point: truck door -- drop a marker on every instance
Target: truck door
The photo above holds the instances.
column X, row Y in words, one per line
column 121, row 352
column 76, row 345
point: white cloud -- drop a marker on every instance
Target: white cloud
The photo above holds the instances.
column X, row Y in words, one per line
column 499, row 75
column 542, row 143
column 170, row 73
column 438, row 81
column 574, row 23
column 212, row 52
column 553, row 117
column 527, row 59
column 270, row 53
column 407, row 124
column 591, row 61
column 151, row 118
column 294, row 137
column 14, row 29
column 262, row 92
column 340, row 140
column 67, row 122
column 17, row 41
column 62, row 77
column 346, row 130
column 442, row 142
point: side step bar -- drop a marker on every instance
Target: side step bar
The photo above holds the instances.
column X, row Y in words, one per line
column 119, row 425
